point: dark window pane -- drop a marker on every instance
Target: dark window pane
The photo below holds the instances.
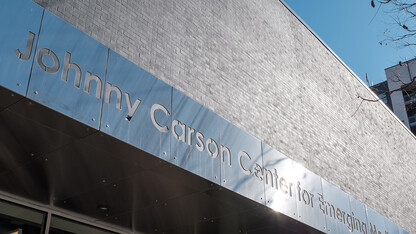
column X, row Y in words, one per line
column 64, row 226
column 20, row 220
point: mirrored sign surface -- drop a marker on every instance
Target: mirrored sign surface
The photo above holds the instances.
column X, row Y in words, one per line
column 391, row 228
column 375, row 221
column 279, row 181
column 402, row 231
column 244, row 172
column 19, row 23
column 335, row 204
column 195, row 138
column 308, row 191
column 69, row 71
column 137, row 107
column 358, row 211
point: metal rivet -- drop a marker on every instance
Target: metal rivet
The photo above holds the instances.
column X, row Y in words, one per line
column 174, row 158
column 114, row 185
column 107, row 126
column 30, row 103
column 224, row 181
column 64, row 202
column 103, row 181
column 46, row 159
column 12, row 94
column 18, row 84
column 215, row 177
column 93, row 119
column 164, row 153
column 36, row 92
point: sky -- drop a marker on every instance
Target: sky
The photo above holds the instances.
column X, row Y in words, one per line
column 346, row 26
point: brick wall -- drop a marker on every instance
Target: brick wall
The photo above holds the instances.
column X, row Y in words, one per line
column 255, row 64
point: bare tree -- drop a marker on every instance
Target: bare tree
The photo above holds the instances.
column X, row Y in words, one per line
column 402, row 32
column 403, row 14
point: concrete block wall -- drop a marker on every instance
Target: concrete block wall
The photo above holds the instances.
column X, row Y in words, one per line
column 255, row 64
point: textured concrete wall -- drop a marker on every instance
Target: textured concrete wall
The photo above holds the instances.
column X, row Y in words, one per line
column 255, row 64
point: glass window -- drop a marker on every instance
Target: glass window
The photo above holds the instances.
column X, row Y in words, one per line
column 409, row 96
column 382, row 95
column 64, row 226
column 412, row 118
column 15, row 219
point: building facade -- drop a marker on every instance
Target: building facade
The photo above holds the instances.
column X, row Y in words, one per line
column 191, row 117
column 402, row 91
column 383, row 92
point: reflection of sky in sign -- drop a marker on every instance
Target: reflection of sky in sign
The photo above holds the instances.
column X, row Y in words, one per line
column 311, row 186
column 275, row 197
column 375, row 220
column 195, row 120
column 17, row 19
column 234, row 178
column 48, row 61
column 359, row 211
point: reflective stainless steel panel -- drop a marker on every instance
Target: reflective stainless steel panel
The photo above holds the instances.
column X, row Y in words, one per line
column 244, row 175
column 391, row 228
column 375, row 221
column 195, row 137
column 402, row 231
column 65, row 58
column 308, row 187
column 130, row 94
column 335, row 204
column 19, row 23
column 360, row 216
column 279, row 181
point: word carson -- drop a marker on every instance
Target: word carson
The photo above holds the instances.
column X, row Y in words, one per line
column 186, row 133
